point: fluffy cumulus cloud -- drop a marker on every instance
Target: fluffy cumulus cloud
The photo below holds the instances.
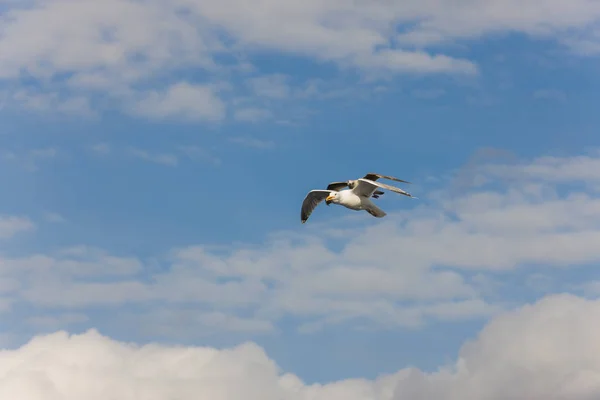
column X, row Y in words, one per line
column 544, row 351
column 79, row 52
column 437, row 261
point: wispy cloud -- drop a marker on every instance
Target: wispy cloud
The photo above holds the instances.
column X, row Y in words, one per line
column 198, row 153
column 428, row 94
column 11, row 225
column 182, row 100
column 55, row 322
column 173, row 158
column 439, row 246
column 101, row 76
column 30, row 159
column 167, row 159
column 271, row 86
column 54, row 217
column 101, row 148
column 252, row 114
column 252, row 142
column 53, row 102
column 549, row 94
column 43, row 153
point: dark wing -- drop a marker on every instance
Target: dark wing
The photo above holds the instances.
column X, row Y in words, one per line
column 367, row 187
column 377, row 193
column 373, row 177
column 311, row 201
column 337, row 186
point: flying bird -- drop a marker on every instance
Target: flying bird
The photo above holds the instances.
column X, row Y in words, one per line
column 356, row 197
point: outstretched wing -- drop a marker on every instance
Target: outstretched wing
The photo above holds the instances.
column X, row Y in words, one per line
column 311, row 201
column 373, row 177
column 337, row 186
column 366, row 187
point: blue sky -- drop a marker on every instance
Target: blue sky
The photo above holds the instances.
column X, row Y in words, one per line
column 153, row 170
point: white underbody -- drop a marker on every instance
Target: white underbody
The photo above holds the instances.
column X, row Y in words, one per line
column 351, row 200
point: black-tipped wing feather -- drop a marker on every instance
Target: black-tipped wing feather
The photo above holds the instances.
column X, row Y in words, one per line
column 337, row 186
column 311, row 201
column 373, row 177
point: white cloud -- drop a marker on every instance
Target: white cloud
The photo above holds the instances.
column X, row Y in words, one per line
column 547, row 350
column 326, row 291
column 125, row 52
column 443, row 21
column 251, row 114
column 198, row 153
column 101, row 148
column 428, row 93
column 54, row 217
column 11, row 225
column 271, row 86
column 253, row 142
column 8, row 285
column 5, row 304
column 53, row 102
column 406, row 270
column 549, row 94
column 182, row 100
column 587, row 44
column 412, row 61
column 49, row 152
column 163, row 158
column 90, row 37
column 581, row 169
column 31, row 158
column 171, row 159
column 103, row 39
column 76, row 261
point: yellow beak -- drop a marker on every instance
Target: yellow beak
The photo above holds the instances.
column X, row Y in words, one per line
column 329, row 199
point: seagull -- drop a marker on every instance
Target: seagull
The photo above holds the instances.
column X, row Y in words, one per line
column 356, row 197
